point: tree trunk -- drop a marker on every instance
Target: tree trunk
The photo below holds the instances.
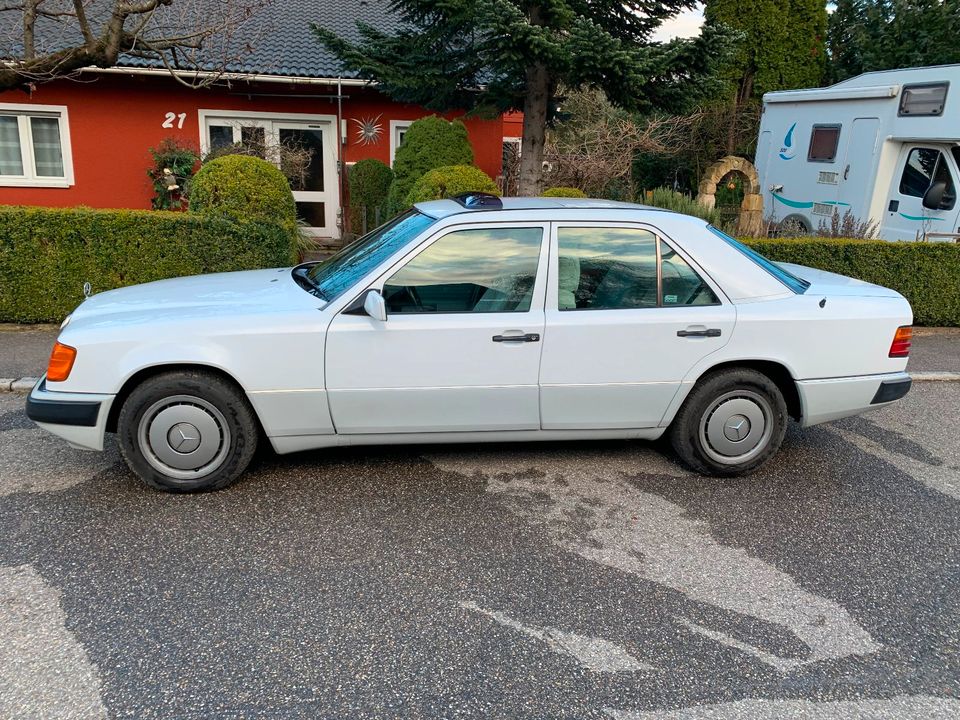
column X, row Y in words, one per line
column 535, row 105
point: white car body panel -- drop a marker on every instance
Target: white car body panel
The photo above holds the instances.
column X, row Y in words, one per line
column 317, row 377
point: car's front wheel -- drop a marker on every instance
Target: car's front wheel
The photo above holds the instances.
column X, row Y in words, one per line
column 731, row 423
column 187, row 431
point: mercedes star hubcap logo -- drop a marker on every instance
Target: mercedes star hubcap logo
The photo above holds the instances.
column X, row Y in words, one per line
column 184, row 437
column 736, row 428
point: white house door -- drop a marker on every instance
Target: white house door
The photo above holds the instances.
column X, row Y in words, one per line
column 314, row 182
column 460, row 348
column 315, row 185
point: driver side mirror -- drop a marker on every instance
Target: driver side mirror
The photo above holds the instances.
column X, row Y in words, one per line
column 934, row 196
column 375, row 306
column 370, row 303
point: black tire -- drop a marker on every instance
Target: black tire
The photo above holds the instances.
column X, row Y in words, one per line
column 194, row 408
column 722, row 411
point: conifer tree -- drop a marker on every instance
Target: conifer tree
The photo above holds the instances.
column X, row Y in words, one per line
column 497, row 55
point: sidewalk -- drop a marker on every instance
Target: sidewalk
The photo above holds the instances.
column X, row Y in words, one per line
column 24, row 350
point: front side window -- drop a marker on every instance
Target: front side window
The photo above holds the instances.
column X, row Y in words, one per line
column 469, row 271
column 924, row 167
column 32, row 146
column 823, row 143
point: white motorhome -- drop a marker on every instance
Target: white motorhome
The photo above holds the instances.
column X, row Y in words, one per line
column 883, row 145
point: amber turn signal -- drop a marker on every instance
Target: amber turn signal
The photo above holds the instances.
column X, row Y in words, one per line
column 61, row 362
column 900, row 347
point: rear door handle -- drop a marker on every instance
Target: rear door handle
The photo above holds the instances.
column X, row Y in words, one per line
column 529, row 337
column 711, row 332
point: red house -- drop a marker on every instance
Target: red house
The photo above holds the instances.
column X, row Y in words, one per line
column 86, row 143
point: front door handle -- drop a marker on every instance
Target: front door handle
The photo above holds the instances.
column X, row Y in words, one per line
column 711, row 332
column 529, row 337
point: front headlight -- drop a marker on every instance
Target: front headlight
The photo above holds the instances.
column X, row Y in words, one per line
column 66, row 321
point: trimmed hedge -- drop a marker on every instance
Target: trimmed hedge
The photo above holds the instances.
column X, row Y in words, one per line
column 567, row 192
column 444, row 182
column 46, row 254
column 926, row 273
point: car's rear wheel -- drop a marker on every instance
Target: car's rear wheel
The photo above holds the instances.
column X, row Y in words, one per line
column 732, row 422
column 187, row 431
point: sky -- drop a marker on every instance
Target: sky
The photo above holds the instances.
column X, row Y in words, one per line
column 686, row 24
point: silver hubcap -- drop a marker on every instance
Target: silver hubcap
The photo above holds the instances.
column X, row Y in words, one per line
column 736, row 427
column 184, row 437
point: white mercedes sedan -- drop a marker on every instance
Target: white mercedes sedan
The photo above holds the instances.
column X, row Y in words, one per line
column 478, row 319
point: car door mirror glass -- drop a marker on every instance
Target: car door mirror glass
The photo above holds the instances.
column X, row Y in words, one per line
column 374, row 306
column 934, row 196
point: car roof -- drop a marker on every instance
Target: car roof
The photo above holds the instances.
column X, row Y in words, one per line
column 444, row 208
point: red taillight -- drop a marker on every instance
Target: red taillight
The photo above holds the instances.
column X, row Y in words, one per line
column 900, row 347
column 61, row 362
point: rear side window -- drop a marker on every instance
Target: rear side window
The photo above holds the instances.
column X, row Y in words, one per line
column 679, row 283
column 798, row 285
column 823, row 143
column 617, row 269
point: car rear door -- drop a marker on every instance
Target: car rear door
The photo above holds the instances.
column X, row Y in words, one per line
column 627, row 316
column 460, row 349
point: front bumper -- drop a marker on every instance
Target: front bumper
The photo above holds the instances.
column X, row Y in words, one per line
column 834, row 398
column 79, row 418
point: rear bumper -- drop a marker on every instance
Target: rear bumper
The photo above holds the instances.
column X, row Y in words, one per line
column 835, row 398
column 79, row 418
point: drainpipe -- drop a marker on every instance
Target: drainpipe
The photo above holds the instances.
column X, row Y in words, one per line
column 341, row 174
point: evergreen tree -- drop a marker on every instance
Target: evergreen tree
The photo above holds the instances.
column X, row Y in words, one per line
column 497, row 55
column 782, row 45
column 867, row 35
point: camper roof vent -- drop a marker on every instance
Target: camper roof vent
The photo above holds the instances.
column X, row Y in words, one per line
column 926, row 99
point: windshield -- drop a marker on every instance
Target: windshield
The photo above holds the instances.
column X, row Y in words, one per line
column 340, row 272
column 798, row 285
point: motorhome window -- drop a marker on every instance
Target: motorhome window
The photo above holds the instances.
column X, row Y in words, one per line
column 920, row 100
column 823, row 143
column 925, row 166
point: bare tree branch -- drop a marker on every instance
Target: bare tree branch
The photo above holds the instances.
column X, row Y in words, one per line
column 61, row 38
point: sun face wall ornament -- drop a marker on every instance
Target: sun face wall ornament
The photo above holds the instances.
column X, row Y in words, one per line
column 369, row 130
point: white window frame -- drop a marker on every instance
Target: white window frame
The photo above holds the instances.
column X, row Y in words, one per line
column 30, row 178
column 395, row 127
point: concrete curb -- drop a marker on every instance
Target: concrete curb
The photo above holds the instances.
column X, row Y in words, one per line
column 25, row 384
column 934, row 376
column 18, row 385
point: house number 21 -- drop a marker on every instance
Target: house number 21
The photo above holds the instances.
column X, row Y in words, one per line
column 170, row 117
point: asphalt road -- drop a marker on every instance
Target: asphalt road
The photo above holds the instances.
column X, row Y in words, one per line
column 578, row 580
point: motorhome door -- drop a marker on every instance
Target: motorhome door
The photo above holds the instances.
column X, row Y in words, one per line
column 920, row 168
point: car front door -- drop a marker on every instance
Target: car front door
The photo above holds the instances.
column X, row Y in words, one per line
column 459, row 350
column 627, row 317
column 906, row 218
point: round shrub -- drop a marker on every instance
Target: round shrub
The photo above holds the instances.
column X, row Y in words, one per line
column 568, row 192
column 429, row 143
column 444, row 182
column 244, row 188
column 369, row 184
